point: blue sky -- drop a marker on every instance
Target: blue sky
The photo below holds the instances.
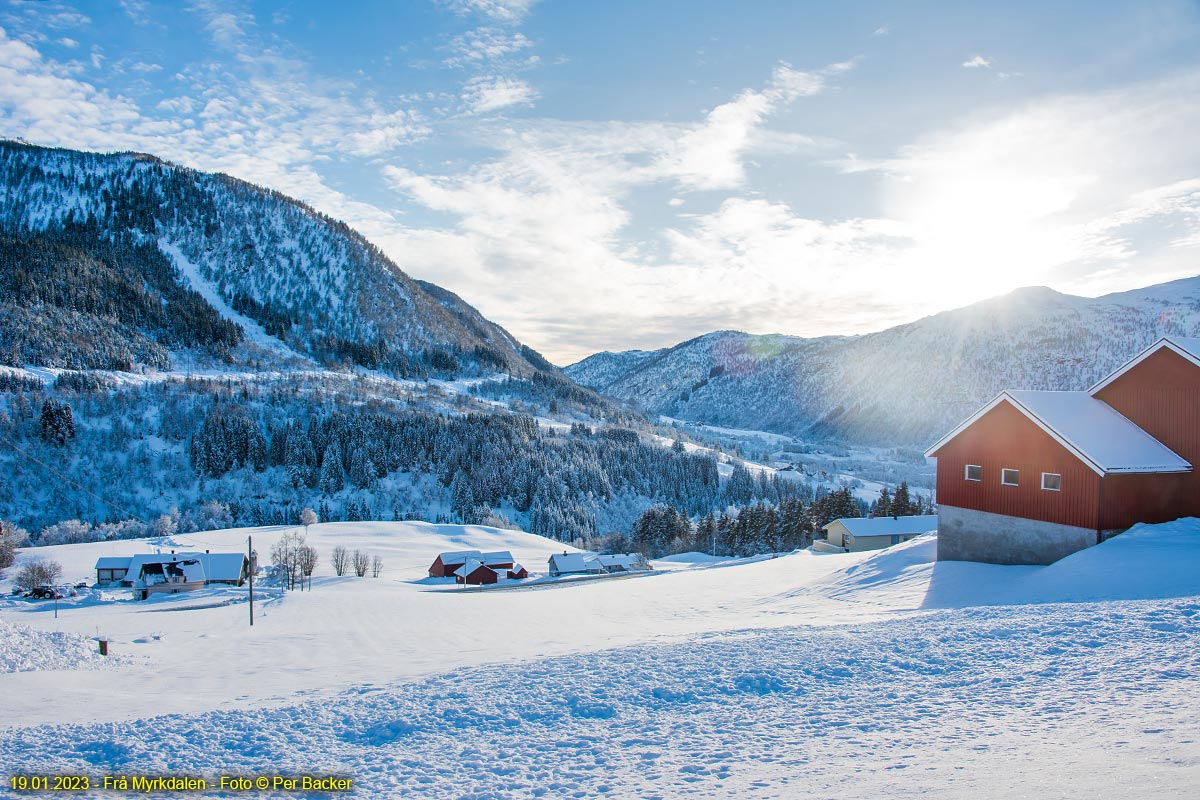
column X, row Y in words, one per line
column 616, row 175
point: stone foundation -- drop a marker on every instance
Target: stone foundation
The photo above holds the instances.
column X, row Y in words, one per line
column 968, row 535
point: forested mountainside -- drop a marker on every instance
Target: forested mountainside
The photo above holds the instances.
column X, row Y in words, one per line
column 905, row 385
column 136, row 257
column 87, row 459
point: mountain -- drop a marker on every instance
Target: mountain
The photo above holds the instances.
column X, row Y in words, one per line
column 115, row 261
column 905, row 385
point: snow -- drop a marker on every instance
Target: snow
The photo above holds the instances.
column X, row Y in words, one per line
column 1091, row 428
column 23, row 649
column 890, row 526
column 254, row 332
column 1190, row 345
column 858, row 675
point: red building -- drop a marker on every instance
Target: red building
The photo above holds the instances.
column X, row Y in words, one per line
column 447, row 564
column 1034, row 476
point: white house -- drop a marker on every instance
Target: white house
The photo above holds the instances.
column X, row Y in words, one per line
column 174, row 572
column 593, row 564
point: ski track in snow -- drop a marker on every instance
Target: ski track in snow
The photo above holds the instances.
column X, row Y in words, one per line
column 1078, row 700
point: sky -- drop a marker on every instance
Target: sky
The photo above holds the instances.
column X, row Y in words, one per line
column 618, row 175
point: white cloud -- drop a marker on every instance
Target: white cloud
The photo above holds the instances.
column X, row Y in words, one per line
column 68, row 42
column 976, row 61
column 485, row 44
column 710, row 155
column 508, row 11
column 138, row 11
column 492, row 93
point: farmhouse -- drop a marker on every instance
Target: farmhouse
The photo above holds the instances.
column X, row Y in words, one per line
column 575, row 564
column 592, row 564
column 856, row 535
column 157, row 572
column 1037, row 475
column 446, row 565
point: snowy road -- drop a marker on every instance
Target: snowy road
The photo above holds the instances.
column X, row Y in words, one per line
column 1083, row 700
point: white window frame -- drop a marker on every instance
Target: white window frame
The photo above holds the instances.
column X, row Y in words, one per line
column 1046, row 488
column 1004, row 471
column 967, row 473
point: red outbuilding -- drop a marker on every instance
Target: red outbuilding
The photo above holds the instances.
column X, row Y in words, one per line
column 476, row 574
column 1036, row 475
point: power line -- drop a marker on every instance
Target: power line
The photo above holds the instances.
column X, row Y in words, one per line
column 59, row 475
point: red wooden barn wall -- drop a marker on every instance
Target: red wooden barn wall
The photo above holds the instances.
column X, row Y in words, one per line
column 1006, row 438
column 1161, row 395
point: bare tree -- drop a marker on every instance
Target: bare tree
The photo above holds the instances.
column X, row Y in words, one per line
column 341, row 561
column 286, row 556
column 308, row 517
column 37, row 572
column 376, row 565
column 362, row 561
column 308, row 562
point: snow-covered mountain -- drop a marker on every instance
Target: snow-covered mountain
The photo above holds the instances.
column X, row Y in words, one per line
column 903, row 385
column 105, row 243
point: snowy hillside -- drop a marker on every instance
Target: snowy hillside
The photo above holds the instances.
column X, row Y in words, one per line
column 855, row 675
column 904, row 385
column 304, row 281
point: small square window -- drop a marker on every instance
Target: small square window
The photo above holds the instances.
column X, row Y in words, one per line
column 1052, row 481
column 1010, row 477
column 974, row 472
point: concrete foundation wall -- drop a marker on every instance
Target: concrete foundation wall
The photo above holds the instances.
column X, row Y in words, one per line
column 968, row 535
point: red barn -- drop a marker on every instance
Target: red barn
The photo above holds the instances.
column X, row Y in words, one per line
column 476, row 574
column 1034, row 476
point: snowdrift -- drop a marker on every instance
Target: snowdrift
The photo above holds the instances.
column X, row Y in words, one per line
column 1147, row 562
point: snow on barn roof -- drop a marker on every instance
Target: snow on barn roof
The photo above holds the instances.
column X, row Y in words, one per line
column 460, row 557
column 113, row 562
column 1181, row 345
column 469, row 567
column 889, row 526
column 463, row 556
column 1093, row 431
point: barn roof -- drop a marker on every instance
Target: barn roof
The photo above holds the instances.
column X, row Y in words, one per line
column 113, row 562
column 889, row 526
column 497, row 557
column 460, row 557
column 1093, row 431
column 1183, row 346
column 469, row 567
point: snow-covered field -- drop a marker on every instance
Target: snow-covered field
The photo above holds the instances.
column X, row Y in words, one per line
column 857, row 675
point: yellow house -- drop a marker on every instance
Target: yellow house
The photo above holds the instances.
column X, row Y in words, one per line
column 855, row 535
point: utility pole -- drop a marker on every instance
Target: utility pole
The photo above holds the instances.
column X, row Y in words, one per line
column 250, row 557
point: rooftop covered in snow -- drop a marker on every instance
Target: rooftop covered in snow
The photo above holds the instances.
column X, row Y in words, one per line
column 1090, row 429
column 889, row 526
